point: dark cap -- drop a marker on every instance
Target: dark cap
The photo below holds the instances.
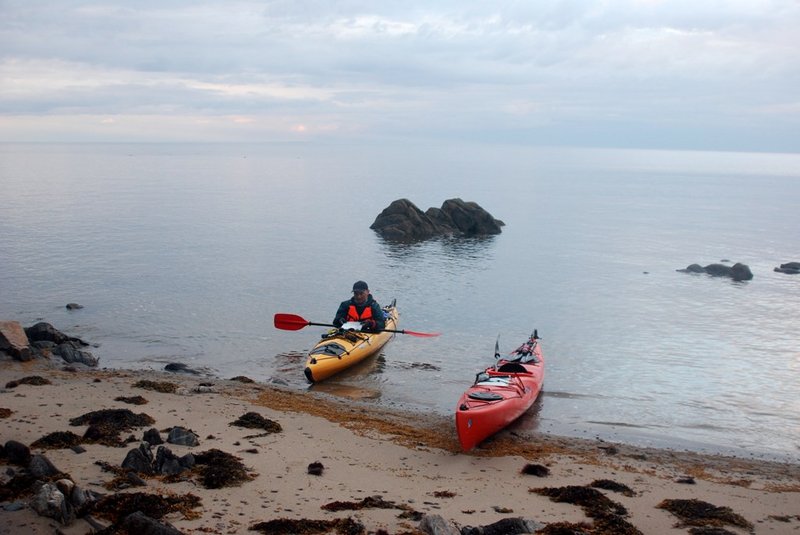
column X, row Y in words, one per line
column 360, row 286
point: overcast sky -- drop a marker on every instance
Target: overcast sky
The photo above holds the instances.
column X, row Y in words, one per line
column 710, row 74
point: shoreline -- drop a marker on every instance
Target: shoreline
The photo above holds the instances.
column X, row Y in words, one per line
column 410, row 460
column 354, row 395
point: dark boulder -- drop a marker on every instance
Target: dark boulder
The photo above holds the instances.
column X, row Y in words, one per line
column 44, row 337
column 42, row 468
column 505, row 526
column 50, row 501
column 737, row 272
column 179, row 367
column 17, row 453
column 791, row 268
column 71, row 352
column 403, row 221
column 139, row 460
column 465, row 218
column 14, row 341
column 152, row 437
column 167, row 463
column 45, row 332
column 182, row 437
column 142, row 524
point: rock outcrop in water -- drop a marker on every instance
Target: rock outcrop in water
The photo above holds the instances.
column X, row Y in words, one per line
column 403, row 221
column 792, row 268
column 737, row 272
column 42, row 340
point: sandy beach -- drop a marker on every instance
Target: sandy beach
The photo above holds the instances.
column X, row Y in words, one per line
column 328, row 460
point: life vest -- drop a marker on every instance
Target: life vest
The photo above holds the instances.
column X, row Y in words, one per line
column 352, row 314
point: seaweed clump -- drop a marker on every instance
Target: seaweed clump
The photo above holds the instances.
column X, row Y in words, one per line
column 537, row 470
column 19, row 486
column 287, row 526
column 609, row 516
column 35, row 380
column 566, row 528
column 219, row 469
column 117, row 506
column 164, row 387
column 253, row 420
column 132, row 400
column 57, row 440
column 608, row 484
column 699, row 513
column 370, row 502
column 242, row 379
column 105, row 425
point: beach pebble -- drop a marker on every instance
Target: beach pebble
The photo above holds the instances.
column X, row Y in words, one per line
column 436, row 525
column 138, row 522
column 14, row 506
column 182, row 437
column 152, row 437
column 41, row 467
column 139, row 459
column 51, row 502
column 17, row 453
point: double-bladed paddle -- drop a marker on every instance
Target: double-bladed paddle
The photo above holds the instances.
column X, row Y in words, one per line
column 293, row 322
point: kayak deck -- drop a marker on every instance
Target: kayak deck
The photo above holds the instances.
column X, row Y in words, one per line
column 500, row 394
column 340, row 349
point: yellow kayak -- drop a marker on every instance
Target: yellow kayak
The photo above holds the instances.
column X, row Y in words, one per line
column 340, row 349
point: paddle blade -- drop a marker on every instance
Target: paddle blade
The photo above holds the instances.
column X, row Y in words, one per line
column 420, row 335
column 290, row 322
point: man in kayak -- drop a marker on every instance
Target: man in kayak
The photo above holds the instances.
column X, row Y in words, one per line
column 361, row 307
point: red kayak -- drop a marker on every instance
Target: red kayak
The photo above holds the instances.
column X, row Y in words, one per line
column 501, row 394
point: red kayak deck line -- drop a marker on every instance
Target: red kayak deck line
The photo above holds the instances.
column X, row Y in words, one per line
column 500, row 394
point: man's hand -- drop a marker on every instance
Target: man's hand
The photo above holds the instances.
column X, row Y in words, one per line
column 368, row 325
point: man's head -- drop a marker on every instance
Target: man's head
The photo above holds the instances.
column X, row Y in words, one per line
column 360, row 292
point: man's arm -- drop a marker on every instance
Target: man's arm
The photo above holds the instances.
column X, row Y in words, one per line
column 378, row 316
column 341, row 314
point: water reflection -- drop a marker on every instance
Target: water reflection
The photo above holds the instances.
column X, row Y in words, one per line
column 462, row 254
column 350, row 383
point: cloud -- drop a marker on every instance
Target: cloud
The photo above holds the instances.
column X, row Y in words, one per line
column 475, row 69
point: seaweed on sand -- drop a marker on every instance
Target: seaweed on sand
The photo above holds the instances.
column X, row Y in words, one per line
column 370, row 502
column 699, row 513
column 218, row 469
column 253, row 420
column 609, row 516
column 57, row 440
column 159, row 386
column 132, row 400
column 34, row 380
column 105, row 425
column 286, row 526
column 611, row 485
column 117, row 506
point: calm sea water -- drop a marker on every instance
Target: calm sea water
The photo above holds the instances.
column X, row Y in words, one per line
column 183, row 253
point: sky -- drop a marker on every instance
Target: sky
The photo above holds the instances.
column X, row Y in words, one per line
column 682, row 74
